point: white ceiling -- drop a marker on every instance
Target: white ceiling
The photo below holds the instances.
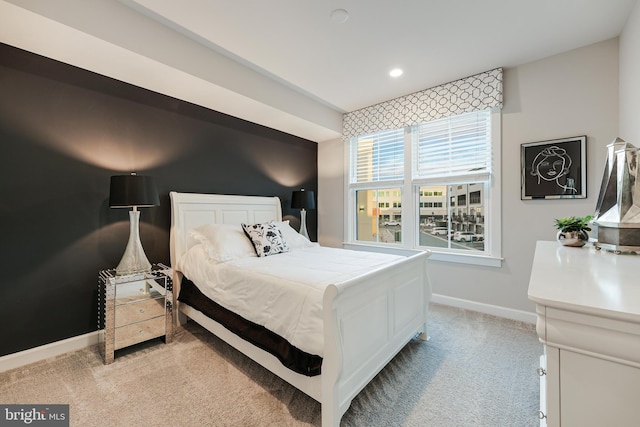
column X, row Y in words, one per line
column 435, row 41
column 319, row 67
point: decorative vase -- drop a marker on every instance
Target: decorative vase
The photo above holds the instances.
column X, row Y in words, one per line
column 572, row 238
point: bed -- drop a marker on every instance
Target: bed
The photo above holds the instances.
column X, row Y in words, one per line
column 364, row 319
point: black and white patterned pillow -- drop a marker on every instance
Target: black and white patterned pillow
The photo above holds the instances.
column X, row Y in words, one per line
column 267, row 238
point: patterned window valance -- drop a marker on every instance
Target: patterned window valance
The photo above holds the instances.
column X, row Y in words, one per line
column 474, row 93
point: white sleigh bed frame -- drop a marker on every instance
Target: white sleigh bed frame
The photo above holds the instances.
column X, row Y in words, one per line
column 366, row 320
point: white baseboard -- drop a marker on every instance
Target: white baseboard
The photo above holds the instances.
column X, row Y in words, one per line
column 57, row 348
column 494, row 310
column 21, row 358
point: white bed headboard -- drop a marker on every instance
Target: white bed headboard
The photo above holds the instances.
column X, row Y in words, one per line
column 191, row 210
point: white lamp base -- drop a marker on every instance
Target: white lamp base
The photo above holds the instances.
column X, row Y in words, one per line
column 134, row 259
column 303, row 223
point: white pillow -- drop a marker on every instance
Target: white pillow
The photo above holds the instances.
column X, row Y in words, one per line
column 267, row 238
column 294, row 239
column 223, row 242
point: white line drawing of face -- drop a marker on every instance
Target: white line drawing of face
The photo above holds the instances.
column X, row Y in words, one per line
column 551, row 164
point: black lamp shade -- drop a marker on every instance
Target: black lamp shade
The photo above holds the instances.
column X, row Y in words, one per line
column 133, row 190
column 303, row 200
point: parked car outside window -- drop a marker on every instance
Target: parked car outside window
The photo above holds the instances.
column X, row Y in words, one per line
column 439, row 231
column 464, row 236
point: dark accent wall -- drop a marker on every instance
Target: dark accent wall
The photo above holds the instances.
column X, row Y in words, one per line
column 64, row 131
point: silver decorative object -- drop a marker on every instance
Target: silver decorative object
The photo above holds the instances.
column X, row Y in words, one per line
column 617, row 215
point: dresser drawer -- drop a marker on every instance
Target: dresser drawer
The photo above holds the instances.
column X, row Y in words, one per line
column 125, row 314
column 139, row 332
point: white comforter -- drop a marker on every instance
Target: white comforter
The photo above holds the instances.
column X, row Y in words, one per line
column 281, row 292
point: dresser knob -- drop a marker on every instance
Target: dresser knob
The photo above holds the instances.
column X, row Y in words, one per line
column 541, row 372
column 142, row 310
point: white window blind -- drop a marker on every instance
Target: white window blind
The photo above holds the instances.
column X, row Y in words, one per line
column 378, row 157
column 454, row 147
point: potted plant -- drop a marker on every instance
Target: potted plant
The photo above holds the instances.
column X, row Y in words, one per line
column 572, row 230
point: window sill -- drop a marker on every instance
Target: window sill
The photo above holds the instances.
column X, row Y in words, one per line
column 482, row 260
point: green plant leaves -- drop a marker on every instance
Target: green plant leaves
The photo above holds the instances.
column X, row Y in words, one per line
column 573, row 223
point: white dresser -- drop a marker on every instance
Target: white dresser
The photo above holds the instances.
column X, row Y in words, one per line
column 588, row 307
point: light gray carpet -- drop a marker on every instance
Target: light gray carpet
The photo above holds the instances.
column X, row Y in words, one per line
column 476, row 370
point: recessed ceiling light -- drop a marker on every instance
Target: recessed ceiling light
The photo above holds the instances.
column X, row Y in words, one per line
column 339, row 16
column 396, row 72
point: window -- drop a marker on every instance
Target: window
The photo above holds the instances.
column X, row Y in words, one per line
column 444, row 174
column 474, row 197
column 443, row 217
column 455, row 154
column 377, row 167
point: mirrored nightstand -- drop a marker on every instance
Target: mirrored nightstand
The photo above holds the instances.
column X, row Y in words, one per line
column 134, row 308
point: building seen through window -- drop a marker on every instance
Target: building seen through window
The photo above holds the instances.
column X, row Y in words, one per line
column 444, row 225
column 454, row 226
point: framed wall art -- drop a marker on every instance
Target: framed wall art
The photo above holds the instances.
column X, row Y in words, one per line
column 554, row 169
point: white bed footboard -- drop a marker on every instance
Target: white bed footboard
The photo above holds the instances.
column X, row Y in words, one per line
column 367, row 320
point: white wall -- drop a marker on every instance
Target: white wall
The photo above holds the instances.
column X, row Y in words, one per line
column 575, row 93
column 330, row 193
column 630, row 79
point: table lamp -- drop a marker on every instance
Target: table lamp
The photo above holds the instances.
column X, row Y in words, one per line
column 133, row 191
column 303, row 200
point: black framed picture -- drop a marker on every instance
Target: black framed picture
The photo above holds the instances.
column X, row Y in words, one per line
column 554, row 169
